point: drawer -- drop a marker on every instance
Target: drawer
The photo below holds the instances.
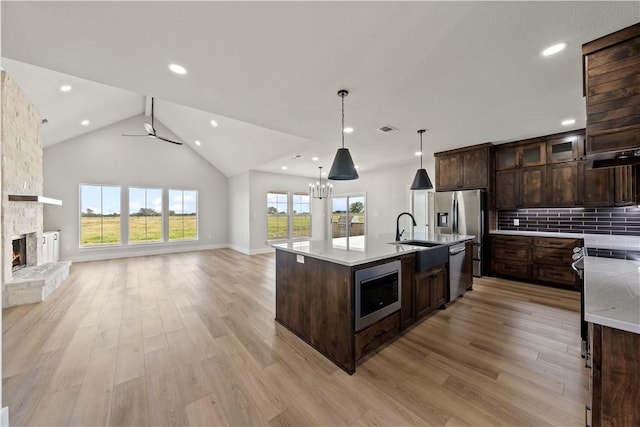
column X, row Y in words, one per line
column 556, row 274
column 375, row 335
column 558, row 256
column 556, row 242
column 511, row 240
column 511, row 268
column 512, row 252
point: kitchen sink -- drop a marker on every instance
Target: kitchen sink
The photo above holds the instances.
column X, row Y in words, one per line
column 418, row 243
column 433, row 255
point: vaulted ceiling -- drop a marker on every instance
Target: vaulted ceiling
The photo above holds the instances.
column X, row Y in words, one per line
column 268, row 72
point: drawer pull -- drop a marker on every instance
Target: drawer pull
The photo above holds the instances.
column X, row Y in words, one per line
column 586, row 418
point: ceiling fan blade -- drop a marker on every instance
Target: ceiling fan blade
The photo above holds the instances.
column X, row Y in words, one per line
column 126, row 134
column 150, row 128
column 152, row 119
column 167, row 140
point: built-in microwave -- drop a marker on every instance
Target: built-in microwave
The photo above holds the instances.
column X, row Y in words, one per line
column 378, row 293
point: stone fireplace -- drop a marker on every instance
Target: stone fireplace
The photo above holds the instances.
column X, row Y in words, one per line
column 22, row 174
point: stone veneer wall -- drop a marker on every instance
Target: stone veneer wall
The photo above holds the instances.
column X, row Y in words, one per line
column 21, row 171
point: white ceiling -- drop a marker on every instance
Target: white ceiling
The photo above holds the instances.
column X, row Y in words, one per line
column 268, row 72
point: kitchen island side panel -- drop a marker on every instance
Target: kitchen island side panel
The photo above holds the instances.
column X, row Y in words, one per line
column 314, row 300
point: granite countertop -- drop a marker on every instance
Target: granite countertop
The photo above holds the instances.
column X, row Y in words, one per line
column 597, row 241
column 363, row 249
column 612, row 293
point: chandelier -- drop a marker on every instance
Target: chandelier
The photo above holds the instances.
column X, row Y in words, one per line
column 320, row 190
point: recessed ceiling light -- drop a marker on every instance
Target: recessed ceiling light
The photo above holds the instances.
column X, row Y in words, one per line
column 284, row 168
column 315, row 159
column 568, row 122
column 198, row 143
column 178, row 69
column 85, row 122
column 214, row 123
column 348, row 130
column 324, row 174
column 357, row 166
column 418, row 153
column 65, row 88
column 552, row 50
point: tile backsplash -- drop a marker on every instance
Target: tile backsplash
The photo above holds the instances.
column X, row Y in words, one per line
column 621, row 221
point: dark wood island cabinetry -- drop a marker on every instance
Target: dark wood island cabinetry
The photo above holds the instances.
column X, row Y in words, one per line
column 316, row 298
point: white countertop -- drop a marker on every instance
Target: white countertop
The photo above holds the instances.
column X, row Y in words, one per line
column 612, row 293
column 363, row 249
column 599, row 241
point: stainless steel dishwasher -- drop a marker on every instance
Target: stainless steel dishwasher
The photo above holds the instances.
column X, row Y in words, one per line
column 456, row 269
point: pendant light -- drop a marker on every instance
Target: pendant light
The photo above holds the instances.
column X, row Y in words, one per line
column 320, row 190
column 343, row 168
column 421, row 180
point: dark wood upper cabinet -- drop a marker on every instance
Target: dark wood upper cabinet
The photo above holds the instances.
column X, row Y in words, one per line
column 596, row 186
column 533, row 155
column 611, row 66
column 507, row 189
column 464, row 169
column 520, row 188
column 515, row 155
column 533, row 186
column 449, row 172
column 626, row 188
column 563, row 184
column 566, row 149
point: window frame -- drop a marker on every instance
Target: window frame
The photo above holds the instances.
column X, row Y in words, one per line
column 120, row 243
column 162, row 217
column 290, row 216
column 197, row 215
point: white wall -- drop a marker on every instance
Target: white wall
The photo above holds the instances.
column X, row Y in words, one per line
column 239, row 208
column 106, row 157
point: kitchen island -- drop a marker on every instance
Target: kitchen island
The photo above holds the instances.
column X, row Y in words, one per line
column 316, row 292
column 612, row 308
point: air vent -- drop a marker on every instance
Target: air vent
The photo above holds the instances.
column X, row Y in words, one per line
column 296, row 156
column 387, row 128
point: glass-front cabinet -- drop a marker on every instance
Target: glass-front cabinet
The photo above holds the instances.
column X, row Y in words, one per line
column 521, row 156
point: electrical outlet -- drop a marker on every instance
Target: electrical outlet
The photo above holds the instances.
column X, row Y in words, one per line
column 516, row 222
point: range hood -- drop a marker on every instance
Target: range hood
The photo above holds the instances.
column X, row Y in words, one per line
column 613, row 159
column 36, row 199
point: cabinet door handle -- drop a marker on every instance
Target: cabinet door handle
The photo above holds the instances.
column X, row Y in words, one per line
column 55, row 236
column 44, row 240
column 587, row 359
column 586, row 418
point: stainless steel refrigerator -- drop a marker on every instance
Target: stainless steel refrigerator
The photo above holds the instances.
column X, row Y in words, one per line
column 460, row 212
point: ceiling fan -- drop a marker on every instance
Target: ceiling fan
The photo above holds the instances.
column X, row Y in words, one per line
column 151, row 130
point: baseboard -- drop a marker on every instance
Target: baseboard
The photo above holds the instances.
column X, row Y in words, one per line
column 99, row 255
column 262, row 251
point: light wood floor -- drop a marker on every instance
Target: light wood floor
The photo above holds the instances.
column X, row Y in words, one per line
column 190, row 339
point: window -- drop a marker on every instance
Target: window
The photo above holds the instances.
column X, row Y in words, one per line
column 183, row 215
column 277, row 216
column 288, row 215
column 348, row 219
column 145, row 215
column 301, row 215
column 99, row 215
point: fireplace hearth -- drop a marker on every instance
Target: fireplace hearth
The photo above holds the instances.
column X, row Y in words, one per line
column 19, row 255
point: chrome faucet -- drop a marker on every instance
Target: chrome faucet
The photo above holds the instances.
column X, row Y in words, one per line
column 398, row 232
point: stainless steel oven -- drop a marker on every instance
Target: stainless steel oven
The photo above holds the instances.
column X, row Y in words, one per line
column 378, row 293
